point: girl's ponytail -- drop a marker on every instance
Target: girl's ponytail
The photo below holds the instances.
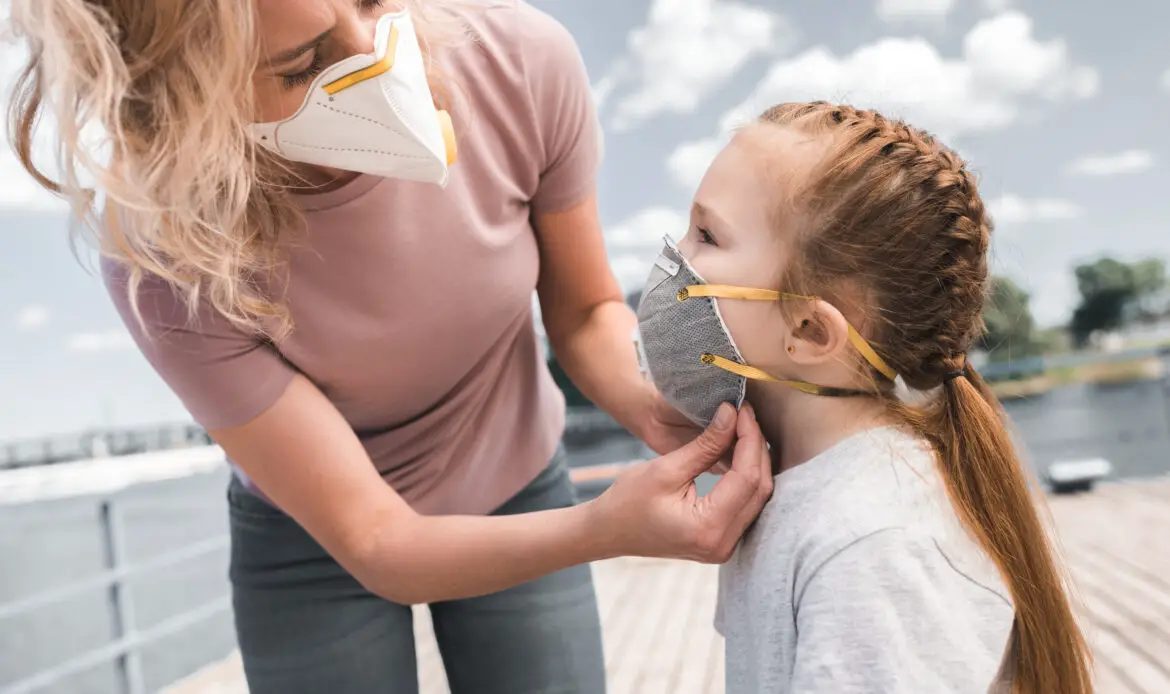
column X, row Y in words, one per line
column 988, row 486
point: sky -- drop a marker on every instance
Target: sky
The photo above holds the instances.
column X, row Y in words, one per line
column 1059, row 106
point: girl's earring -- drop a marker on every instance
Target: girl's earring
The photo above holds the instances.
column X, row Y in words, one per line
column 792, row 349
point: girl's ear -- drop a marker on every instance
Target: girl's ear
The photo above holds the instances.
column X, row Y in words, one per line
column 819, row 333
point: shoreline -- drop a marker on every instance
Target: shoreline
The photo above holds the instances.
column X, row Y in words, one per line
column 1101, row 373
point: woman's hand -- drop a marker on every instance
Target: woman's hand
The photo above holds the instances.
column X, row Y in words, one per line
column 307, row 459
column 653, row 508
column 665, row 429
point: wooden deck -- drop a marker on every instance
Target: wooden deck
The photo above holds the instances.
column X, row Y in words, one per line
column 657, row 614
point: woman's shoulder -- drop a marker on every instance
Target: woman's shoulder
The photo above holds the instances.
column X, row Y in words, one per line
column 522, row 95
column 515, row 46
column 515, row 29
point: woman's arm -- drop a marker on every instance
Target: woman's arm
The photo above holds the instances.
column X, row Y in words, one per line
column 304, row 456
column 585, row 315
column 591, row 328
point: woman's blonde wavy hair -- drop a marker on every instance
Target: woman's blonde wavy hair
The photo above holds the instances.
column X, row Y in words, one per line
column 169, row 87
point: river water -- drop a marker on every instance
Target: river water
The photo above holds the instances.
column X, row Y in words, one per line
column 52, row 543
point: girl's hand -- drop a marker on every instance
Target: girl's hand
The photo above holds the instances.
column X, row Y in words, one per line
column 653, row 509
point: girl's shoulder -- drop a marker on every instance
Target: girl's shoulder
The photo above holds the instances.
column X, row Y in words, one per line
column 878, row 487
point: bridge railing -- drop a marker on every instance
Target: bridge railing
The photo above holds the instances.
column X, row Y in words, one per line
column 128, row 639
column 87, row 445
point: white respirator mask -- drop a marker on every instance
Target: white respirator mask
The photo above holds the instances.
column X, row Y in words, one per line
column 371, row 113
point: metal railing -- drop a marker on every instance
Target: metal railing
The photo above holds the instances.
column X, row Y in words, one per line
column 104, row 443
column 128, row 640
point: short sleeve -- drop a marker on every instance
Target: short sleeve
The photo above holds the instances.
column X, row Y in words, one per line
column 887, row 614
column 223, row 376
column 564, row 111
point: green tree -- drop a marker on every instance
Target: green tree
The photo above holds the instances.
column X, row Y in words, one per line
column 1112, row 293
column 1149, row 278
column 1010, row 330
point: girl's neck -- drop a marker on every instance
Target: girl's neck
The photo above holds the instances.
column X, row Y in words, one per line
column 799, row 427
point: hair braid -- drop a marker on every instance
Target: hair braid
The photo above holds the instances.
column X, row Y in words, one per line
column 927, row 188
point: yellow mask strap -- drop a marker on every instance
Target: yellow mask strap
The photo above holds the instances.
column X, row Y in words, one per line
column 725, row 291
column 448, row 130
column 758, row 375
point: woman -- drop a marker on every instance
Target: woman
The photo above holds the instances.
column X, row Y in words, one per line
column 349, row 314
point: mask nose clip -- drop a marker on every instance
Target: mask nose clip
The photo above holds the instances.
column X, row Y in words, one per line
column 381, row 67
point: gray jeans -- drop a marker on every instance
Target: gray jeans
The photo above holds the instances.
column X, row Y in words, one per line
column 305, row 626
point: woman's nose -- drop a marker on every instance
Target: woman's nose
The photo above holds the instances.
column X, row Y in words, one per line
column 354, row 35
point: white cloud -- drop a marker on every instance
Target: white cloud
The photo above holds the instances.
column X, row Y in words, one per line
column 1129, row 161
column 602, row 89
column 1013, row 209
column 689, row 161
column 32, row 318
column 634, row 243
column 900, row 10
column 104, row 341
column 996, row 6
column 647, row 227
column 20, row 191
column 1002, row 73
column 631, row 269
column 1053, row 296
column 684, row 51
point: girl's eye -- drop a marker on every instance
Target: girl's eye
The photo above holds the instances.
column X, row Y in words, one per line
column 371, row 4
column 305, row 76
column 705, row 236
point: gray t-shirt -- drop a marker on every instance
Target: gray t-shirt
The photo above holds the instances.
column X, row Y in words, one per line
column 859, row 577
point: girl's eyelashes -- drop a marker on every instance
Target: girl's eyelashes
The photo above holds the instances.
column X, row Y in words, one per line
column 705, row 236
column 305, row 76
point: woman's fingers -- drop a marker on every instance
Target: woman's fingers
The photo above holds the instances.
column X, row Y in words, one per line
column 698, row 456
column 739, row 495
column 652, row 509
column 750, row 435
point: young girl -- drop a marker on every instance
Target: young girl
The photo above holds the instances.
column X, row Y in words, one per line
column 833, row 276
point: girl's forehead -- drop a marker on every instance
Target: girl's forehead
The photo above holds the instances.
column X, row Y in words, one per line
column 754, row 183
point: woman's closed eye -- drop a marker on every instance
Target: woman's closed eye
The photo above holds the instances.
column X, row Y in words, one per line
column 705, row 236
column 305, row 76
column 300, row 79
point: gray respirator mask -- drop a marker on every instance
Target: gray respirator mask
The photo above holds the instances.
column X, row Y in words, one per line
column 685, row 346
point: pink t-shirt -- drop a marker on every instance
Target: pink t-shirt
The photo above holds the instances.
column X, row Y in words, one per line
column 413, row 304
